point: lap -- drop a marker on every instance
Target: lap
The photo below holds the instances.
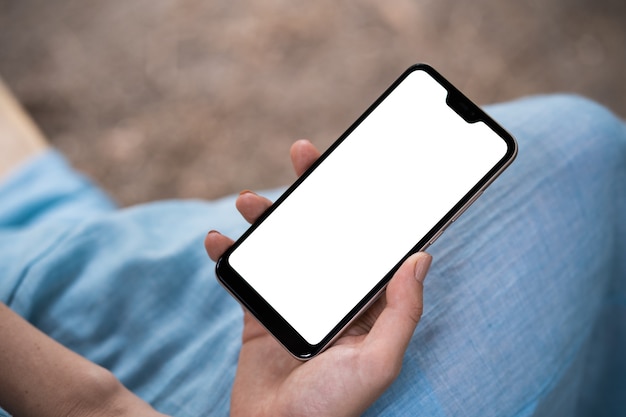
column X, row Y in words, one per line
column 524, row 290
column 517, row 301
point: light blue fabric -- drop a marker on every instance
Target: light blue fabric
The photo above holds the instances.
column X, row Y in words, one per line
column 525, row 304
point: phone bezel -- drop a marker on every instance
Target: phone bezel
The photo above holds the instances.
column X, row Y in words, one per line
column 237, row 286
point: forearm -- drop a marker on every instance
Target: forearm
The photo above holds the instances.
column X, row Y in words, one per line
column 40, row 377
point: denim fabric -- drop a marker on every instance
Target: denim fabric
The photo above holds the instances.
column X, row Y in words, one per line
column 525, row 304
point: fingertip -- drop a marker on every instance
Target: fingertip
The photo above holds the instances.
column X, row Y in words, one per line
column 216, row 244
column 301, row 142
column 303, row 154
column 209, row 236
column 294, row 150
column 251, row 205
column 299, row 148
column 245, row 199
column 422, row 260
column 415, row 268
column 405, row 290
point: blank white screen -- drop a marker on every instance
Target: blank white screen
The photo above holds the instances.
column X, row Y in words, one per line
column 382, row 189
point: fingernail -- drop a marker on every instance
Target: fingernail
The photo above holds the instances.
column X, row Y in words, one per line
column 422, row 266
column 246, row 192
column 213, row 231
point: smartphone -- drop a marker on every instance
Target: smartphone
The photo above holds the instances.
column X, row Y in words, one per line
column 387, row 188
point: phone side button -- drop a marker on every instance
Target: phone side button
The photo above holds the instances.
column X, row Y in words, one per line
column 466, row 206
column 436, row 237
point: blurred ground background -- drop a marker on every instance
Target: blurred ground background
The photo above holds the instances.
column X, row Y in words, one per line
column 195, row 99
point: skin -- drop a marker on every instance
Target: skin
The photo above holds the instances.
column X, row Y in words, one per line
column 19, row 136
column 349, row 376
column 39, row 377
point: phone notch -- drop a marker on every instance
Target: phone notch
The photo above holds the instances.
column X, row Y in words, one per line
column 463, row 107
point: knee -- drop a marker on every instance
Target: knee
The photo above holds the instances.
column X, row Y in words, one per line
column 589, row 133
column 565, row 128
column 593, row 119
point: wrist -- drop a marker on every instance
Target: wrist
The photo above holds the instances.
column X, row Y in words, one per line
column 39, row 377
column 101, row 394
column 94, row 392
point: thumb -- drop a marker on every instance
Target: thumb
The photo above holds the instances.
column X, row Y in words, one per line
column 394, row 328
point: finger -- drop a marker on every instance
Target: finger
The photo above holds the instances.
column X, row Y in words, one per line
column 251, row 327
column 216, row 244
column 251, row 205
column 303, row 154
column 394, row 328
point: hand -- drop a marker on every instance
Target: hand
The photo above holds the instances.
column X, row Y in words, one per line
column 351, row 374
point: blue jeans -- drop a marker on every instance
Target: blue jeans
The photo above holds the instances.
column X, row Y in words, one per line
column 525, row 304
